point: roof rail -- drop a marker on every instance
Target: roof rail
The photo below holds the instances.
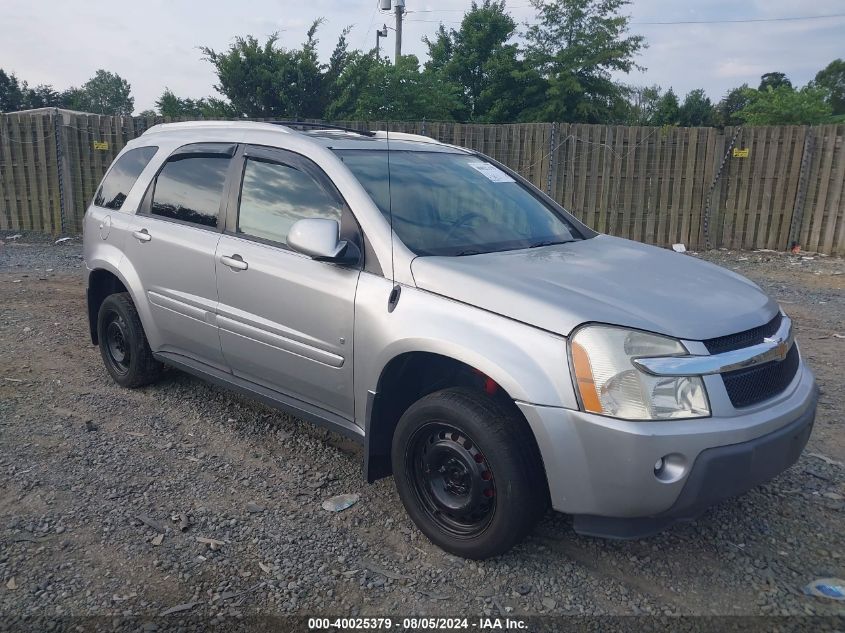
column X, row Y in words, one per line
column 406, row 136
column 322, row 126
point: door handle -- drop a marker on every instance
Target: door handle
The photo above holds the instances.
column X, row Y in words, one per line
column 142, row 235
column 235, row 262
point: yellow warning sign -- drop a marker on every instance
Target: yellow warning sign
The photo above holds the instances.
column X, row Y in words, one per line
column 104, row 145
column 741, row 153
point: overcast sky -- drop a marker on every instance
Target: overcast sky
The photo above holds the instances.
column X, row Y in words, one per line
column 153, row 44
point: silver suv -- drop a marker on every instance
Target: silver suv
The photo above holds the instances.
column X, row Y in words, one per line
column 491, row 352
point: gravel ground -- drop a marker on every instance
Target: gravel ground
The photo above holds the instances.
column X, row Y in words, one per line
column 107, row 494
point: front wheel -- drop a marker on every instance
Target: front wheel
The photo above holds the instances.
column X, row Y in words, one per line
column 468, row 472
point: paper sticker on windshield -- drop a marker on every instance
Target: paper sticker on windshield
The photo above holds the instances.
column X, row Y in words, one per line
column 492, row 172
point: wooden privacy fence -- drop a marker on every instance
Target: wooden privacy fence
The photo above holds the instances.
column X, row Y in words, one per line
column 754, row 187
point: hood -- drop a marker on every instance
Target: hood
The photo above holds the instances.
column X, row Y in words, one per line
column 603, row 279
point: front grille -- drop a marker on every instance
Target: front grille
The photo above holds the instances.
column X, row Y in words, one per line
column 752, row 385
column 743, row 339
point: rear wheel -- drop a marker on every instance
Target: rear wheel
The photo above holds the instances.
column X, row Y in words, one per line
column 468, row 473
column 123, row 344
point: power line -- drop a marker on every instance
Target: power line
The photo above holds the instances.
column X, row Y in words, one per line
column 747, row 20
column 369, row 28
column 683, row 22
column 512, row 6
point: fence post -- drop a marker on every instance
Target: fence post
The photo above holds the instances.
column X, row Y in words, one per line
column 68, row 150
column 801, row 194
column 60, row 165
column 551, row 159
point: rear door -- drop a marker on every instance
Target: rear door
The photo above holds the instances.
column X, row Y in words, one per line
column 172, row 244
column 286, row 320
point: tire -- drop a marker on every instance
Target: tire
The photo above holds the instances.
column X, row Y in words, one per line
column 123, row 344
column 468, row 472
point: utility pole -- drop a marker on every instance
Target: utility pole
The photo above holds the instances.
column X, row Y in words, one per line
column 380, row 33
column 399, row 8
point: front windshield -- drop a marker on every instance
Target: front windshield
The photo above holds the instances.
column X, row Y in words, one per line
column 455, row 204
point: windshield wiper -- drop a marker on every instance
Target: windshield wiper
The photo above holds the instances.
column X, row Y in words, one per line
column 469, row 251
column 550, row 243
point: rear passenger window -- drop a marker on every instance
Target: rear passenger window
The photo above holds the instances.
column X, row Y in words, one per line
column 189, row 188
column 274, row 196
column 117, row 183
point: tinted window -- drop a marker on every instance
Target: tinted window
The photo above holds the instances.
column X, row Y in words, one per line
column 274, row 196
column 455, row 204
column 190, row 189
column 117, row 183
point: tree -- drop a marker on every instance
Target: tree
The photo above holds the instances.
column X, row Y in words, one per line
column 74, row 99
column 476, row 57
column 512, row 91
column 575, row 47
column 773, row 80
column 786, row 106
column 271, row 81
column 104, row 93
column 340, row 58
column 11, row 92
column 668, row 110
column 42, row 96
column 641, row 106
column 350, row 85
column 376, row 89
column 734, row 101
column 170, row 105
column 696, row 110
column 832, row 80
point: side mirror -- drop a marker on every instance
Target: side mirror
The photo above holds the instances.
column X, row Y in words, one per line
column 317, row 237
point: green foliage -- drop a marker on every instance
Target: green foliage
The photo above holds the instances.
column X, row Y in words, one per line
column 104, row 93
column 206, row 108
column 11, row 92
column 17, row 95
column 668, row 110
column 371, row 89
column 734, row 101
column 832, row 81
column 575, row 47
column 271, row 81
column 773, row 80
column 786, row 106
column 477, row 59
column 696, row 110
column 641, row 106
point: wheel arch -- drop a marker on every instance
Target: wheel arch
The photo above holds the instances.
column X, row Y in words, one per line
column 411, row 375
column 104, row 279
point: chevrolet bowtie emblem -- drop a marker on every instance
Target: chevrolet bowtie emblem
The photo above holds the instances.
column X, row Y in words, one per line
column 781, row 349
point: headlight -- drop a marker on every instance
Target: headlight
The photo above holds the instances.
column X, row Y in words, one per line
column 609, row 384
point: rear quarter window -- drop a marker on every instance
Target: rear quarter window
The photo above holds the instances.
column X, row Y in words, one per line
column 122, row 176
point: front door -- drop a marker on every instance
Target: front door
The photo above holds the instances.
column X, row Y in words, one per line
column 286, row 320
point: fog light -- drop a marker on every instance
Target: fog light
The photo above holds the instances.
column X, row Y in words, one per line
column 670, row 468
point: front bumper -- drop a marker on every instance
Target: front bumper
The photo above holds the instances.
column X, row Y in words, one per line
column 602, row 470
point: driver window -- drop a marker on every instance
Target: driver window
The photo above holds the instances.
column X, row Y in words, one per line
column 274, row 196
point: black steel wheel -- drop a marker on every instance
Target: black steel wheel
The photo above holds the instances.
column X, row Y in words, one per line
column 452, row 479
column 119, row 353
column 123, row 344
column 468, row 471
